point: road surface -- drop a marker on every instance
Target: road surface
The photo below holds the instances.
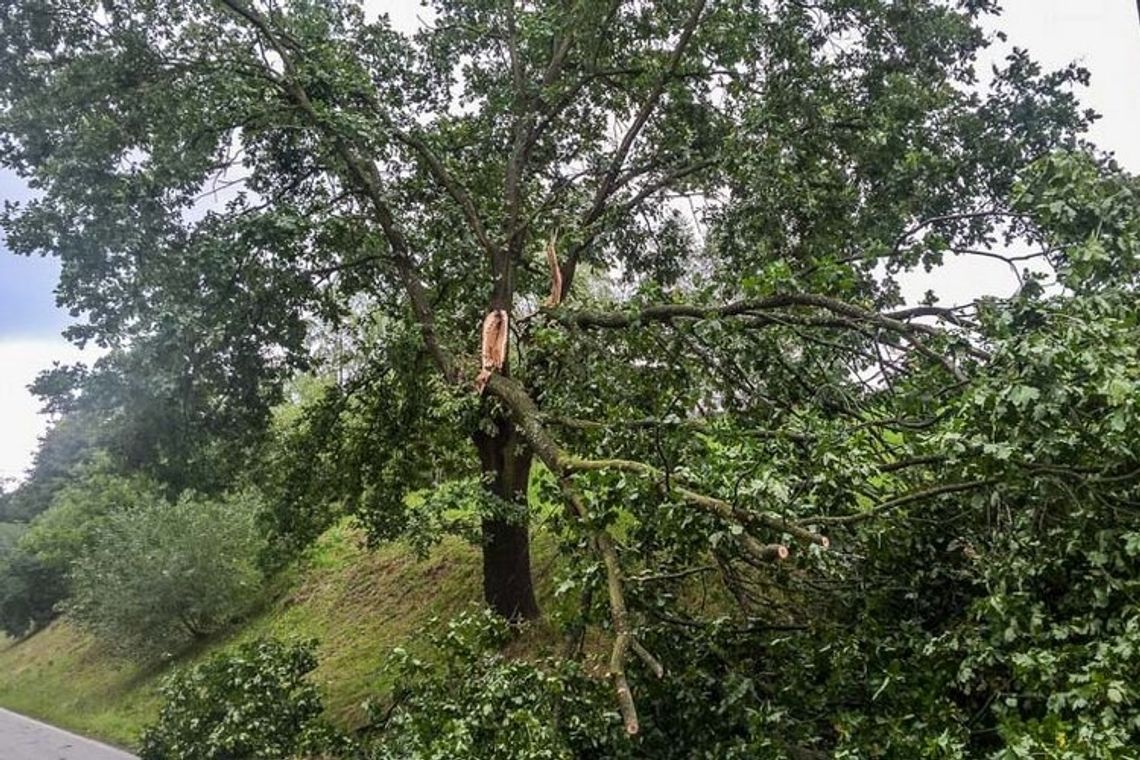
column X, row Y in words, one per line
column 26, row 739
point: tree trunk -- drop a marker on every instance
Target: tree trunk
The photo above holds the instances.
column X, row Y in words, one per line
column 507, row 584
column 505, row 458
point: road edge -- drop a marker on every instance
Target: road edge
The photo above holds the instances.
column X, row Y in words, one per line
column 126, row 752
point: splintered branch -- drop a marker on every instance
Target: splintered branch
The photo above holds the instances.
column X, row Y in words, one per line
column 555, row 296
column 494, row 353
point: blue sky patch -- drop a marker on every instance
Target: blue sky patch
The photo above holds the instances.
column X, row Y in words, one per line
column 27, row 297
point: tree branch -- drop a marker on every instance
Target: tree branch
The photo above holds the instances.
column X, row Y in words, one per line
column 577, row 423
column 367, row 179
column 719, row 507
column 619, row 613
column 902, row 501
column 606, row 186
column 452, row 186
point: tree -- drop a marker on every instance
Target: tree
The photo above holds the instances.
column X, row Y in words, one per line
column 29, row 592
column 743, row 180
column 157, row 407
column 9, row 534
column 161, row 575
column 68, row 444
column 36, row 574
column 67, row 529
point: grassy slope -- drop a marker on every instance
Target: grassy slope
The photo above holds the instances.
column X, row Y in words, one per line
column 358, row 604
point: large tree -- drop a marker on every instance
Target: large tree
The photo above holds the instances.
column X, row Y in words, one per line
column 652, row 246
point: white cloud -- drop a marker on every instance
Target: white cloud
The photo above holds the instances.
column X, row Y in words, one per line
column 20, row 362
column 1104, row 37
column 405, row 15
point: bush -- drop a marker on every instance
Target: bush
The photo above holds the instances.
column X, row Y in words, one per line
column 67, row 530
column 36, row 559
column 473, row 703
column 161, row 575
column 253, row 704
column 29, row 592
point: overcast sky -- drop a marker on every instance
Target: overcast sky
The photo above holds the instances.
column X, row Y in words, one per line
column 1102, row 35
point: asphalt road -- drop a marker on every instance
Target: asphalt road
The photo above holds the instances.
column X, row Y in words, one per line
column 26, row 739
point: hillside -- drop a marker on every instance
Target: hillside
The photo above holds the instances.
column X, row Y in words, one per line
column 357, row 603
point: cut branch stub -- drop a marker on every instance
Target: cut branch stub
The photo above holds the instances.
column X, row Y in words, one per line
column 494, row 352
column 763, row 552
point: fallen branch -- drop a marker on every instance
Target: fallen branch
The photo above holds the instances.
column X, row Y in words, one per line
column 619, row 614
column 668, row 313
column 902, row 501
column 653, row 663
column 719, row 507
column 576, row 423
column 555, row 296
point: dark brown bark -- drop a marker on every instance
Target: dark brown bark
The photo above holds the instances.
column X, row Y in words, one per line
column 507, row 583
column 506, row 458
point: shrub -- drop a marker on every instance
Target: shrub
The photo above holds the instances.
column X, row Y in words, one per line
column 253, row 703
column 161, row 575
column 35, row 566
column 29, row 592
column 472, row 702
column 67, row 530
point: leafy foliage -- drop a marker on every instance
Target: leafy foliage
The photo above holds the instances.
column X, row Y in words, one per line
column 254, row 703
column 68, row 529
column 161, row 574
column 335, row 456
column 469, row 701
column 29, row 592
column 847, row 524
column 37, row 573
column 9, row 534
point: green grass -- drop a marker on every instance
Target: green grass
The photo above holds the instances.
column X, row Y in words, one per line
column 359, row 604
column 62, row 676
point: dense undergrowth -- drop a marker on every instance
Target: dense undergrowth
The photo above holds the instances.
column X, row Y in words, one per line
column 358, row 604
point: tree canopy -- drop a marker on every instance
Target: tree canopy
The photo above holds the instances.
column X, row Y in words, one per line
column 636, row 267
